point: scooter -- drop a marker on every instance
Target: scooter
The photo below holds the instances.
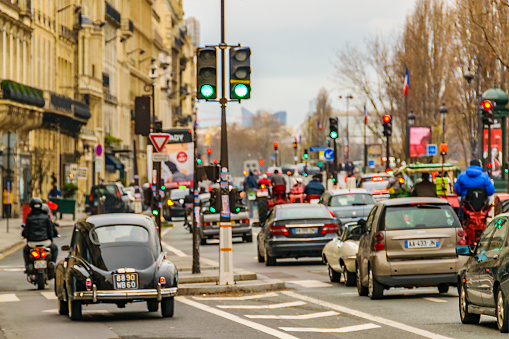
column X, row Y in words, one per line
column 40, row 267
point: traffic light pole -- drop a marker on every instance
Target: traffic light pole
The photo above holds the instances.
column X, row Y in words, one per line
column 335, row 161
column 387, row 154
column 196, row 201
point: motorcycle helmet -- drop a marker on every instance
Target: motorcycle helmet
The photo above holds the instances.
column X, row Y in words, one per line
column 46, row 208
column 36, row 203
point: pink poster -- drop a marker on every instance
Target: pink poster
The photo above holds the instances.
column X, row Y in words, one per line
column 420, row 137
column 496, row 150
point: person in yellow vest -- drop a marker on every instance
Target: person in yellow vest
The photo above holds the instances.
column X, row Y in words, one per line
column 7, row 203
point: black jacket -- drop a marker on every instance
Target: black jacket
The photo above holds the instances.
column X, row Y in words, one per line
column 38, row 227
column 314, row 187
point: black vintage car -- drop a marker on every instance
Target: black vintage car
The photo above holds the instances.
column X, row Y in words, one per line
column 115, row 258
column 483, row 282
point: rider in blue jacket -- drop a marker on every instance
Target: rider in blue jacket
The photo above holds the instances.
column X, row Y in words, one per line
column 473, row 177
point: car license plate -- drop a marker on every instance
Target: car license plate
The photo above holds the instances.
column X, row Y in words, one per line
column 125, row 281
column 304, row 230
column 40, row 264
column 424, row 243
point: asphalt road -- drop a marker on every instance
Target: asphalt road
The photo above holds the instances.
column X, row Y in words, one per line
column 312, row 307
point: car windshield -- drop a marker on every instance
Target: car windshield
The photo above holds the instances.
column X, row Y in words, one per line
column 303, row 213
column 351, row 199
column 118, row 233
column 419, row 216
column 374, row 185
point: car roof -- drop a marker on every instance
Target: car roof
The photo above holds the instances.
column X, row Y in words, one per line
column 300, row 206
column 407, row 201
column 349, row 190
column 119, row 219
column 369, row 175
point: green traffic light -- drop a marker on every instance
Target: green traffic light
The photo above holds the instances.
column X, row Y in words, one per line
column 333, row 134
column 506, row 170
column 212, row 209
column 198, row 160
column 241, row 90
column 207, row 91
column 306, row 156
column 163, row 187
column 155, row 212
column 305, row 174
column 238, row 209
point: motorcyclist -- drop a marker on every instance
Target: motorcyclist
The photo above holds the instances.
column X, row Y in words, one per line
column 38, row 230
column 314, row 186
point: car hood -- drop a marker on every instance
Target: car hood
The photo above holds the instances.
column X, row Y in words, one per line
column 351, row 211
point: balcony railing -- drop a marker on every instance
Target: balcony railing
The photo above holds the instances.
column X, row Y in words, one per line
column 67, row 33
column 113, row 14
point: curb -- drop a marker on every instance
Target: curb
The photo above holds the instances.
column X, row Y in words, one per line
column 4, row 252
column 214, row 278
column 259, row 286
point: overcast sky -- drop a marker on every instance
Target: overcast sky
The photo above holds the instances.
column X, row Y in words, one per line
column 293, row 46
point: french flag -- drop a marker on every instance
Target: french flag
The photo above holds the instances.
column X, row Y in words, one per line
column 365, row 115
column 407, row 82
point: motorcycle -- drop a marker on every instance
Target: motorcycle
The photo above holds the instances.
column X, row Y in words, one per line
column 475, row 207
column 40, row 267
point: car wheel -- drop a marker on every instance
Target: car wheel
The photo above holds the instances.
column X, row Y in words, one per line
column 375, row 289
column 348, row 277
column 442, row 288
column 74, row 307
column 361, row 290
column 63, row 307
column 261, row 258
column 502, row 312
column 152, row 305
column 269, row 261
column 465, row 316
column 333, row 275
column 167, row 307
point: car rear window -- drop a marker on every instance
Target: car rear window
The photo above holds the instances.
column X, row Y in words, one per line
column 118, row 233
column 373, row 185
column 352, row 199
column 419, row 216
column 303, row 213
column 112, row 189
column 178, row 194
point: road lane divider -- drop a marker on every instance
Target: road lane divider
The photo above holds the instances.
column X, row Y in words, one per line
column 49, row 295
column 435, row 300
column 367, row 316
column 246, row 297
column 293, row 317
column 261, row 307
column 172, row 249
column 265, row 329
column 346, row 329
column 309, row 283
column 8, row 297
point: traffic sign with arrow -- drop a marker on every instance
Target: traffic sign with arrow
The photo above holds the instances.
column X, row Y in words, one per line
column 159, row 140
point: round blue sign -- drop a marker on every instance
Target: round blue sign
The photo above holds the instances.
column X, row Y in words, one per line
column 99, row 150
column 328, row 154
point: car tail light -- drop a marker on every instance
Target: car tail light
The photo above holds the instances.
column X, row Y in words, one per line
column 43, row 253
column 379, row 190
column 91, row 197
column 118, row 194
column 88, row 284
column 330, row 228
column 376, row 178
column 379, row 245
column 462, row 242
column 461, row 233
column 245, row 221
column 170, row 202
column 207, row 223
column 279, row 230
column 162, row 281
column 35, row 253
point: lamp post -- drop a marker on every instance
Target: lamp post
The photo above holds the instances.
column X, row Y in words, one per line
column 469, row 76
column 347, row 97
column 443, row 112
column 153, row 74
column 410, row 121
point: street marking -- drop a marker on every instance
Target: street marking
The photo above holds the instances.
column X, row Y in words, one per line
column 247, row 297
column 349, row 293
column 258, row 307
column 165, row 231
column 435, row 300
column 4, row 298
column 12, row 250
column 103, row 312
column 309, row 283
column 209, row 262
column 294, row 317
column 49, row 295
column 367, row 316
column 237, row 319
column 331, row 330
column 173, row 249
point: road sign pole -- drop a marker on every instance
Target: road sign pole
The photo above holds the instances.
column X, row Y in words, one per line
column 8, row 206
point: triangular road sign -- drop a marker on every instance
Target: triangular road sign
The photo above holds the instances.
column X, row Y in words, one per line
column 159, row 140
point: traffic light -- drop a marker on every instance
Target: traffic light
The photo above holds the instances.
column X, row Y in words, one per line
column 206, row 73
column 235, row 200
column 306, row 155
column 215, row 201
column 487, row 111
column 261, row 162
column 154, row 206
column 209, row 150
column 387, row 120
column 275, row 146
column 198, row 160
column 240, row 73
column 506, row 167
column 294, row 145
column 333, row 124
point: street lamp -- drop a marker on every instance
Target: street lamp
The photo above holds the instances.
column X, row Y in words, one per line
column 410, row 121
column 443, row 113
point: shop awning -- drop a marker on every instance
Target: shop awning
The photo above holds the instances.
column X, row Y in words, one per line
column 112, row 163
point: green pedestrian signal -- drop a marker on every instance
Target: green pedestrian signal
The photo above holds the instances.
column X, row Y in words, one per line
column 198, row 160
column 333, row 134
column 163, row 187
column 306, row 155
column 212, row 209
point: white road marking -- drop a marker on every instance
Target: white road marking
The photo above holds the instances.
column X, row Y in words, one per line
column 259, row 307
column 103, row 312
column 237, row 319
column 13, row 269
column 165, row 231
column 209, row 262
column 367, row 316
column 49, row 295
column 435, row 300
column 4, row 298
column 293, row 317
column 349, row 293
column 331, row 330
column 309, row 283
column 174, row 250
column 246, row 297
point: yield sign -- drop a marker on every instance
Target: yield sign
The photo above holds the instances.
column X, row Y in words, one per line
column 159, row 140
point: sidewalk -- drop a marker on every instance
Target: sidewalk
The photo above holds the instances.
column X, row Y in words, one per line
column 12, row 239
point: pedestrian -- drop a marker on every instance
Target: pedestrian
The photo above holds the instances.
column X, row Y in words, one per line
column 54, row 193
column 7, row 203
column 424, row 188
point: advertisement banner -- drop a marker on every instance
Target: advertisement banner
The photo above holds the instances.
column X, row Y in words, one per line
column 178, row 170
column 496, row 151
column 420, row 137
column 374, row 153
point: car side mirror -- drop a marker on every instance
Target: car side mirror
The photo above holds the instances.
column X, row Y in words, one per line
column 464, row 250
column 65, row 248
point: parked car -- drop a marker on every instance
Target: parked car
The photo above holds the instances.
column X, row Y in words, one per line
column 339, row 255
column 115, row 258
column 408, row 242
column 348, row 205
column 209, row 222
column 173, row 206
column 483, row 281
column 116, row 200
column 295, row 231
column 376, row 183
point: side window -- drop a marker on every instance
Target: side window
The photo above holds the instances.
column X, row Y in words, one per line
column 371, row 217
column 499, row 234
column 482, row 245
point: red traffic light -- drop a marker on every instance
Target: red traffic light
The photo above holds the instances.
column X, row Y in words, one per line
column 209, row 150
column 275, row 144
column 261, row 162
column 216, row 162
column 487, row 105
column 386, row 119
column 488, row 165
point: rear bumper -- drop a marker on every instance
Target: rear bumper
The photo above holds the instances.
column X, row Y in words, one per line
column 296, row 248
column 236, row 231
column 113, row 295
column 418, row 280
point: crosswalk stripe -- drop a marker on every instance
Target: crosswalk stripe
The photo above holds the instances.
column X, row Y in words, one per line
column 293, row 317
column 246, row 297
column 310, row 283
column 435, row 300
column 8, row 297
column 331, row 330
column 49, row 295
column 258, row 307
